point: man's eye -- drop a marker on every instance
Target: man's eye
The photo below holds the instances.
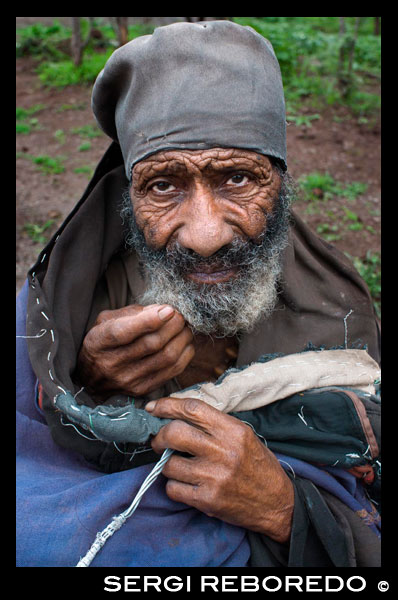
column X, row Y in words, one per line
column 162, row 187
column 238, row 180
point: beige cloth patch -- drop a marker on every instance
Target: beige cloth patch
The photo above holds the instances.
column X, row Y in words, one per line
column 262, row 383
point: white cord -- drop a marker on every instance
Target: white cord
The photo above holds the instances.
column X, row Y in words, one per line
column 119, row 520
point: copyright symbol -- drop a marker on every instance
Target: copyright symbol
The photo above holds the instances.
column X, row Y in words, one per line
column 383, row 586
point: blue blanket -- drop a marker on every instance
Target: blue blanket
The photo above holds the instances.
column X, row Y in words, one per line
column 62, row 502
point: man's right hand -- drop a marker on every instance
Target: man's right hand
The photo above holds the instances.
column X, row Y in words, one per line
column 134, row 350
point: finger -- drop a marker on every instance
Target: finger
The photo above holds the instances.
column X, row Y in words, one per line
column 183, row 437
column 146, row 375
column 152, row 343
column 182, row 469
column 125, row 311
column 124, row 330
column 185, row 493
column 190, row 410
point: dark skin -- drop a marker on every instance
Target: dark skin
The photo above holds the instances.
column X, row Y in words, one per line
column 202, row 200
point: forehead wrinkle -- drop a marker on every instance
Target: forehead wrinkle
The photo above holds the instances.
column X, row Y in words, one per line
column 230, row 159
column 235, row 164
column 160, row 166
column 174, row 162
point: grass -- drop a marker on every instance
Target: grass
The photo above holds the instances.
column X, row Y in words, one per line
column 25, row 122
column 35, row 231
column 84, row 147
column 49, row 165
column 322, row 186
column 85, row 170
column 303, row 121
column 329, row 232
column 87, row 131
column 369, row 269
column 66, row 107
column 45, row 164
column 317, row 189
column 63, row 72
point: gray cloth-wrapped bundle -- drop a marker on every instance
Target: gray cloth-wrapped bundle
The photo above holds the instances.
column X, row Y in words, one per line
column 118, row 424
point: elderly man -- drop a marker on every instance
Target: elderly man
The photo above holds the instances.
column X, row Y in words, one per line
column 181, row 267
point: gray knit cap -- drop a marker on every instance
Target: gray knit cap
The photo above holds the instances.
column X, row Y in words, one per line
column 193, row 86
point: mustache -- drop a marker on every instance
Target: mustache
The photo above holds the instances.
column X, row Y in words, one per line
column 239, row 253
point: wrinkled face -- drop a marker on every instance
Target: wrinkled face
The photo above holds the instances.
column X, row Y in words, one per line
column 209, row 220
column 203, row 199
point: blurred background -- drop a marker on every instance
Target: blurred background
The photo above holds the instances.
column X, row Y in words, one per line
column 331, row 72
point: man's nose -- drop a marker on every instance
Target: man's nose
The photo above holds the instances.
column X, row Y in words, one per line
column 205, row 227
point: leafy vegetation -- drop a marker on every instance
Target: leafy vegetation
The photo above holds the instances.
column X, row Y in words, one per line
column 309, row 51
column 42, row 41
column 84, row 147
column 87, row 131
column 370, row 271
column 85, row 169
column 36, row 231
column 51, row 47
column 63, row 72
column 321, row 186
column 46, row 164
column 25, row 121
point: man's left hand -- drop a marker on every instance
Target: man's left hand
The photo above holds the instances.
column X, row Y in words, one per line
column 231, row 475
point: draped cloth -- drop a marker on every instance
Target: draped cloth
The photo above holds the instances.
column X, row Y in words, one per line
column 319, row 289
column 69, row 487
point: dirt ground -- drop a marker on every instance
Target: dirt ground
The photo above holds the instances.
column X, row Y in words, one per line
column 336, row 143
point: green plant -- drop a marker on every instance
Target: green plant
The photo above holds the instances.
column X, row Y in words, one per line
column 353, row 190
column 22, row 128
column 369, row 269
column 355, row 223
column 47, row 164
column 41, row 40
column 329, row 232
column 355, row 226
column 89, row 131
column 302, row 120
column 59, row 135
column 25, row 121
column 317, row 186
column 24, row 113
column 35, row 231
column 308, row 51
column 84, row 147
column 322, row 186
column 64, row 72
column 84, row 169
column 65, row 107
column 349, row 214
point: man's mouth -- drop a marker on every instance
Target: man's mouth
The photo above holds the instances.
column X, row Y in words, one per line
column 212, row 275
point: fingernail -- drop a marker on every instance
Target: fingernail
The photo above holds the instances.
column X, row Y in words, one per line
column 165, row 313
column 150, row 406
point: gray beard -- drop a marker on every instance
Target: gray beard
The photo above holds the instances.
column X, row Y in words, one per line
column 220, row 309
